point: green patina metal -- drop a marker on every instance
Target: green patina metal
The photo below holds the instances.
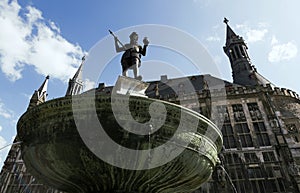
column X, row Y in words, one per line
column 54, row 152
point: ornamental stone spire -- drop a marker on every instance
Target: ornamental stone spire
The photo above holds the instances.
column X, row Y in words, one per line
column 75, row 86
column 39, row 96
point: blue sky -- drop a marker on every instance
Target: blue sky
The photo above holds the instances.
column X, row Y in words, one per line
column 38, row 38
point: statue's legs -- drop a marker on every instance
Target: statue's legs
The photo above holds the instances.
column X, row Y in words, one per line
column 135, row 68
column 124, row 73
column 134, row 65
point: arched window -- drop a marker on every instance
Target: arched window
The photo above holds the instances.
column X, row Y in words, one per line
column 231, row 55
column 242, row 51
column 236, row 49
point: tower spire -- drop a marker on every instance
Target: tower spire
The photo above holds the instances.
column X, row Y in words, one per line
column 43, row 88
column 229, row 32
column 39, row 96
column 243, row 72
column 76, row 84
column 225, row 20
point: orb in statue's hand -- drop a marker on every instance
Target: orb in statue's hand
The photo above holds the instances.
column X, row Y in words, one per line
column 145, row 41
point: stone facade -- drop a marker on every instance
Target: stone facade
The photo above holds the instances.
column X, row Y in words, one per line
column 259, row 122
column 260, row 131
column 14, row 177
column 260, row 127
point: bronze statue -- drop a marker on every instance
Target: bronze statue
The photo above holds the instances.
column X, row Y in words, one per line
column 131, row 58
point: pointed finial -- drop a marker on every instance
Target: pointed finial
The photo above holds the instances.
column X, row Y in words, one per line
column 226, row 20
column 47, row 77
column 83, row 58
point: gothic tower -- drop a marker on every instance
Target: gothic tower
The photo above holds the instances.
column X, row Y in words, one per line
column 243, row 72
column 39, row 96
column 76, row 84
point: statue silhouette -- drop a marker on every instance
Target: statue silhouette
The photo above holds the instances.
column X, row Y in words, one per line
column 131, row 58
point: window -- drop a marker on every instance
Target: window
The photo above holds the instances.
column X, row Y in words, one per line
column 269, row 156
column 223, row 114
column 242, row 51
column 259, row 186
column 277, row 171
column 281, row 184
column 291, row 128
column 242, row 186
column 272, row 184
column 293, row 131
column 259, row 127
column 254, row 111
column 254, row 187
column 251, row 158
column 228, row 159
column 236, row 173
column 243, row 132
column 238, row 112
column 232, row 174
column 242, row 128
column 232, row 54
column 228, row 136
column 246, row 140
column 269, row 171
column 255, row 172
column 261, row 133
column 229, row 142
column 236, row 49
column 263, row 139
column 236, row 158
column 227, row 130
column 232, row 158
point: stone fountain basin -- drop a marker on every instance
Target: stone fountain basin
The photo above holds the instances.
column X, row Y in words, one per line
column 55, row 153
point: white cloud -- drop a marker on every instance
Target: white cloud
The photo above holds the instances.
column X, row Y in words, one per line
column 281, row 52
column 31, row 40
column 263, row 25
column 1, row 128
column 89, row 84
column 2, row 142
column 6, row 113
column 54, row 26
column 254, row 35
column 274, row 40
column 213, row 39
column 3, row 152
column 215, row 36
column 33, row 15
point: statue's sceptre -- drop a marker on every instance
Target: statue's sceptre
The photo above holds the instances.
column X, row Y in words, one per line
column 116, row 38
